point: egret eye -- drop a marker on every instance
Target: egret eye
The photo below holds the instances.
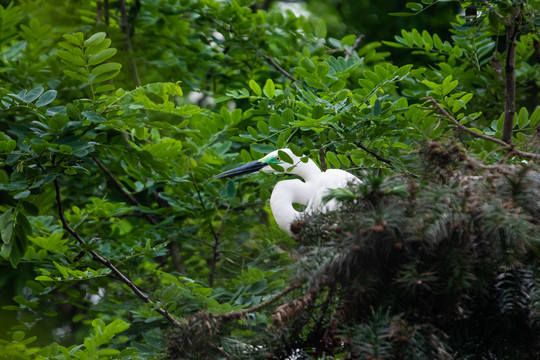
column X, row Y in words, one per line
column 277, row 158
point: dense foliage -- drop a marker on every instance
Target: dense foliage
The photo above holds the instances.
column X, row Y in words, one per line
column 116, row 242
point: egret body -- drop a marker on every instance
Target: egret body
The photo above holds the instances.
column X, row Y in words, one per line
column 288, row 192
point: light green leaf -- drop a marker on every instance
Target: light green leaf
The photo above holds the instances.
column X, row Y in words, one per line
column 255, row 87
column 70, row 57
column 269, row 88
column 535, row 116
column 104, row 68
column 97, row 38
column 101, row 56
column 47, row 98
column 523, row 118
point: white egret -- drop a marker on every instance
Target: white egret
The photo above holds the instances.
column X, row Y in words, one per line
column 309, row 192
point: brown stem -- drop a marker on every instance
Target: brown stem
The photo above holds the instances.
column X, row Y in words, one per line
column 124, row 26
column 355, row 45
column 505, row 146
column 512, row 29
column 241, row 313
column 173, row 247
column 98, row 11
column 106, row 11
column 374, row 154
column 322, row 157
column 216, row 235
column 97, row 257
column 279, row 68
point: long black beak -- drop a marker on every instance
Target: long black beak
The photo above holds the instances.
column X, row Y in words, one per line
column 241, row 170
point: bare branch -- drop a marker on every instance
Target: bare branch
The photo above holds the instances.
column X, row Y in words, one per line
column 505, row 146
column 241, row 313
column 97, row 257
column 355, row 45
column 279, row 68
column 172, row 246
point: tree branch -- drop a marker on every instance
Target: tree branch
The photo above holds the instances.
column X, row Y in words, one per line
column 374, row 154
column 124, row 26
column 355, row 45
column 241, row 313
column 97, row 257
column 216, row 235
column 504, row 145
column 279, row 68
column 512, row 29
column 172, row 246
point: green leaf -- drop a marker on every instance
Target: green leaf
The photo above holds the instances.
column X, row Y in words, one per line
column 255, row 87
column 320, row 29
column 70, row 57
column 47, row 98
column 101, row 56
column 231, row 189
column 93, row 117
column 414, row 6
column 105, row 68
column 269, row 88
column 18, row 336
column 33, row 94
column 332, row 159
column 75, row 39
column 263, row 128
column 285, row 157
column 535, row 116
column 22, row 195
column 97, row 38
column 287, row 116
column 523, row 118
column 307, row 64
column 275, row 121
column 377, row 107
column 76, row 76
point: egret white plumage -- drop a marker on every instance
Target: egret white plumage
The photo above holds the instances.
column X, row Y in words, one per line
column 309, row 192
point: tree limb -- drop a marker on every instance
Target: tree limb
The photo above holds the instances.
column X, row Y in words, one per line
column 279, row 68
column 241, row 313
column 512, row 29
column 504, row 145
column 97, row 257
column 355, row 45
column 172, row 246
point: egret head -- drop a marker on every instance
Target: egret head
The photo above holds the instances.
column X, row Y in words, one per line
column 283, row 159
column 272, row 163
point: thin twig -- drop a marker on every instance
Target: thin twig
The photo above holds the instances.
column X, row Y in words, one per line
column 120, row 188
column 374, row 154
column 505, row 146
column 172, row 246
column 97, row 257
column 355, row 45
column 215, row 234
column 241, row 313
column 279, row 68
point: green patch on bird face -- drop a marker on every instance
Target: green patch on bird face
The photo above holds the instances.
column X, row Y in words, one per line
column 272, row 160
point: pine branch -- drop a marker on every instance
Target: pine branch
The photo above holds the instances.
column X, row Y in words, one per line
column 99, row 258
